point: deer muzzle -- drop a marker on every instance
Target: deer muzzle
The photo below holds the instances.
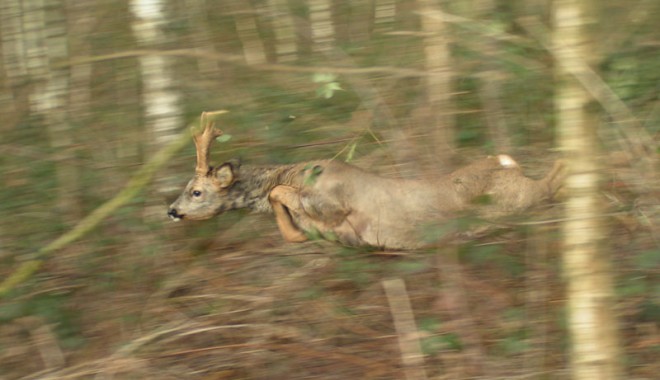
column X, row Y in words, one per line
column 174, row 214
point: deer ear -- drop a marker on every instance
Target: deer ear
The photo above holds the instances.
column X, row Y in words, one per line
column 225, row 175
column 235, row 163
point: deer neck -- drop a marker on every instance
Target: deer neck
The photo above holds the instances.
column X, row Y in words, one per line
column 254, row 183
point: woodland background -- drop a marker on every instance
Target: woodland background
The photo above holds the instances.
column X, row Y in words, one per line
column 91, row 90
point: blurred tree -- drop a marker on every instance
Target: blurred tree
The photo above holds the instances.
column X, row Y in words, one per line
column 439, row 80
column 491, row 78
column 246, row 27
column 34, row 43
column 200, row 35
column 283, row 28
column 591, row 320
column 162, row 106
column 322, row 26
column 80, row 23
column 161, row 102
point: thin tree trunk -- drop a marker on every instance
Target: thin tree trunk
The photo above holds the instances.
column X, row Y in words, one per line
column 439, row 82
column 322, row 27
column 591, row 318
column 80, row 24
column 201, row 35
column 246, row 27
column 384, row 14
column 160, row 100
column 14, row 70
column 491, row 81
column 284, row 30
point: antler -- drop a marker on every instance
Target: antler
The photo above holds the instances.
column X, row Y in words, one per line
column 204, row 140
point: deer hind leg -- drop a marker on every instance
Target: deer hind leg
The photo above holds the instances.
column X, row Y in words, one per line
column 323, row 207
column 285, row 200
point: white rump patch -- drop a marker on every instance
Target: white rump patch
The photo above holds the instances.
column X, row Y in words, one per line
column 507, row 161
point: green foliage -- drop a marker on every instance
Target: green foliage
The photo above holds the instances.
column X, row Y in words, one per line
column 648, row 259
column 312, row 293
column 354, row 267
column 434, row 341
column 312, row 173
column 513, row 345
column 409, row 266
column 328, row 85
column 223, row 138
column 492, row 255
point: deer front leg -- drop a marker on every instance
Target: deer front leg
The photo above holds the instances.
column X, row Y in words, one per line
column 284, row 200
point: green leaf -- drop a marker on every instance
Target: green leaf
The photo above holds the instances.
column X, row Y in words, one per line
column 223, row 138
column 330, row 236
column 433, row 344
column 313, row 234
column 323, row 77
column 311, row 178
column 333, row 86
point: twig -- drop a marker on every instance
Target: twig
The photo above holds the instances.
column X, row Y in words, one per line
column 235, row 59
column 404, row 323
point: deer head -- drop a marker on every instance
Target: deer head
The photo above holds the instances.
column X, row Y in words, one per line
column 203, row 196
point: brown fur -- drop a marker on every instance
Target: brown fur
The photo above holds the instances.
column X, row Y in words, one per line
column 341, row 202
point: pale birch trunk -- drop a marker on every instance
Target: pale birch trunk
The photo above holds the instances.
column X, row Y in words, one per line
column 590, row 295
column 159, row 97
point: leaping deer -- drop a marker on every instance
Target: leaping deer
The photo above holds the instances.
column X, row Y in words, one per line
column 343, row 203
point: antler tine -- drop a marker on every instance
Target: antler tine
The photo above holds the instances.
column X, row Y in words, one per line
column 204, row 140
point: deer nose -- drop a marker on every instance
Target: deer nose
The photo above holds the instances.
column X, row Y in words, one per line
column 174, row 215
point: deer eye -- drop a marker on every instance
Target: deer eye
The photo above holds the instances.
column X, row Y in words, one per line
column 196, row 193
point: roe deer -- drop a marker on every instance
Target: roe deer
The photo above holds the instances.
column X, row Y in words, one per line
column 343, row 203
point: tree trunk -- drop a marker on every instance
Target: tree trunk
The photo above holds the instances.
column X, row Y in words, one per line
column 491, row 80
column 322, row 27
column 283, row 29
column 439, row 81
column 254, row 51
column 591, row 321
column 160, row 101
column 201, row 36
